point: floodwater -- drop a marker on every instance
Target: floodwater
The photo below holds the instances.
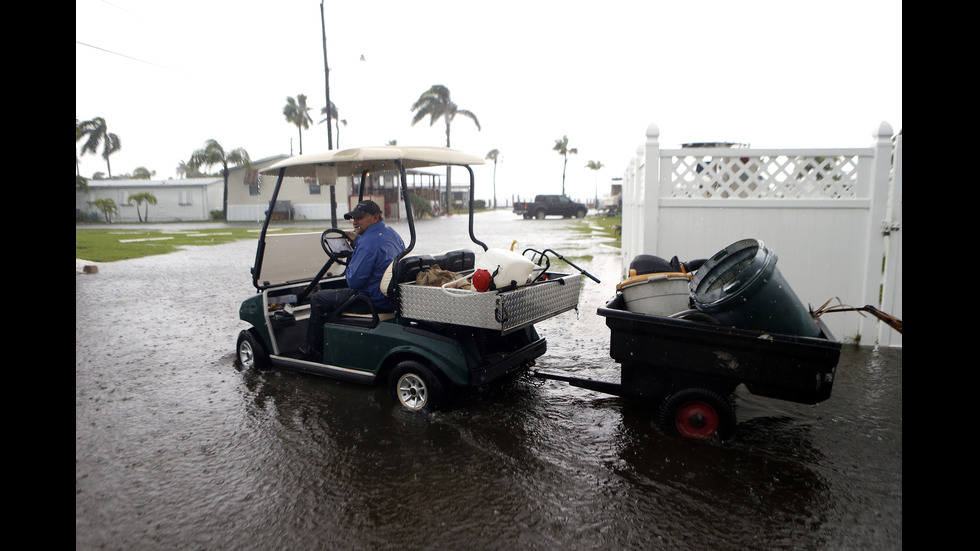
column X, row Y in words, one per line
column 177, row 447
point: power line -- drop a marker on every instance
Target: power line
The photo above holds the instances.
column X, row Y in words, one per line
column 126, row 56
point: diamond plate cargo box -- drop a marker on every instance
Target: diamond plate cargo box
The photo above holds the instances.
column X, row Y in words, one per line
column 505, row 311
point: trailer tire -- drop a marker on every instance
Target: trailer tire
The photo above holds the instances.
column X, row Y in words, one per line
column 698, row 414
column 415, row 386
column 251, row 352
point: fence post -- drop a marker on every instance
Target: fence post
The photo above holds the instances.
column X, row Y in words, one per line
column 878, row 216
column 627, row 213
column 650, row 193
column 633, row 209
column 891, row 296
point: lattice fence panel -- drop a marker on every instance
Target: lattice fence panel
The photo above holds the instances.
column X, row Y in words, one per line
column 763, row 176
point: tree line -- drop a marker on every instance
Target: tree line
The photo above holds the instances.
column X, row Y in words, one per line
column 435, row 103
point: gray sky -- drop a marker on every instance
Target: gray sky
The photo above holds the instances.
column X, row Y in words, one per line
column 167, row 76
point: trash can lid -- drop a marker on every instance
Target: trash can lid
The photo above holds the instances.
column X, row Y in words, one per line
column 732, row 273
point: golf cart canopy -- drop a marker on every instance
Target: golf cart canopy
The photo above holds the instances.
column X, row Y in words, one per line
column 349, row 162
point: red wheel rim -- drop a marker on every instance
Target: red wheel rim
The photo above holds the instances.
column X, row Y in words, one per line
column 697, row 420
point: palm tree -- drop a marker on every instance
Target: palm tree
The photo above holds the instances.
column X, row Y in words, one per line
column 595, row 165
column 561, row 146
column 79, row 133
column 493, row 155
column 333, row 116
column 81, row 183
column 297, row 113
column 185, row 170
column 435, row 103
column 107, row 206
column 98, row 133
column 139, row 199
column 214, row 154
column 143, row 173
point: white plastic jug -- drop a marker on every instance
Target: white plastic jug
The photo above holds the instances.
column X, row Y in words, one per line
column 510, row 267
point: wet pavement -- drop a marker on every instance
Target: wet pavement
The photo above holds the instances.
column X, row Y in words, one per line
column 177, row 447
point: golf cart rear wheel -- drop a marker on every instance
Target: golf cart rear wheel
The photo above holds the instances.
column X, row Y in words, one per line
column 414, row 386
column 698, row 414
column 251, row 351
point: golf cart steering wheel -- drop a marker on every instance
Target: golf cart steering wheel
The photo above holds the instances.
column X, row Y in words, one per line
column 337, row 245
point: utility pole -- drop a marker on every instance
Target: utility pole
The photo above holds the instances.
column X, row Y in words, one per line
column 326, row 85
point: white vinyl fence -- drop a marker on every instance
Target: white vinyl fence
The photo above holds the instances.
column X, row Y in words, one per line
column 832, row 217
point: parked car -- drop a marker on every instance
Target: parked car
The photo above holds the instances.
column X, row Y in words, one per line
column 550, row 205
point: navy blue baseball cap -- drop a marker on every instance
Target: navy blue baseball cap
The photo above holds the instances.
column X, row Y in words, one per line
column 362, row 208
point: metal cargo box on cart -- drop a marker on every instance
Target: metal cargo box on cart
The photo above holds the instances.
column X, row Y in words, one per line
column 506, row 311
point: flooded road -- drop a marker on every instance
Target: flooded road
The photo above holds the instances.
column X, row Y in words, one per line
column 177, row 447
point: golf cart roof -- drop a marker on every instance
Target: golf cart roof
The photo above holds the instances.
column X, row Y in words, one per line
column 373, row 159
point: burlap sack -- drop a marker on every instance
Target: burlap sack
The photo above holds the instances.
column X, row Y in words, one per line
column 437, row 277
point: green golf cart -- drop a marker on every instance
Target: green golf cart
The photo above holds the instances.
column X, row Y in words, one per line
column 439, row 340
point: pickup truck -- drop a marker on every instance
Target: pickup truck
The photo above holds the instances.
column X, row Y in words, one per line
column 550, row 205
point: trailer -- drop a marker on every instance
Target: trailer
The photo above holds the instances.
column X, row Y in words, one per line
column 690, row 367
column 697, row 337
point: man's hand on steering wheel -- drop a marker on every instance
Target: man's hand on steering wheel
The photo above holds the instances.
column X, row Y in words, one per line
column 338, row 255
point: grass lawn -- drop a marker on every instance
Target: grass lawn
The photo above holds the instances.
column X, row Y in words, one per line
column 100, row 245
column 612, row 226
column 606, row 226
column 109, row 245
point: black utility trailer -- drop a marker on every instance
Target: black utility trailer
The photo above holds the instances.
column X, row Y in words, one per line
column 692, row 366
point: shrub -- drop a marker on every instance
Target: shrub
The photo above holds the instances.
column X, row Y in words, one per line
column 420, row 206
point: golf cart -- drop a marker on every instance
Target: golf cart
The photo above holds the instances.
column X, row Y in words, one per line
column 439, row 338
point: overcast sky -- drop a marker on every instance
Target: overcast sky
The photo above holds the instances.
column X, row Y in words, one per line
column 167, row 76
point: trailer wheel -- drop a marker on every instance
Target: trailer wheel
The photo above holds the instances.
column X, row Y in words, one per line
column 697, row 414
column 251, row 351
column 414, row 385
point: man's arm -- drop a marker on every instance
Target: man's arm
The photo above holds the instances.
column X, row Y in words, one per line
column 361, row 265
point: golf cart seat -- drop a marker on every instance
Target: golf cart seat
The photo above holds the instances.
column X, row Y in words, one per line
column 406, row 270
column 358, row 310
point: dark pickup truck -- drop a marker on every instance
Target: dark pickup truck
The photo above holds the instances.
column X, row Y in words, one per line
column 550, row 205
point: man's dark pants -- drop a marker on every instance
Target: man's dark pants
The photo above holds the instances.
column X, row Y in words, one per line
column 322, row 305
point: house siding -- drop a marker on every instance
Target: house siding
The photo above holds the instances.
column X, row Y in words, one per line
column 185, row 200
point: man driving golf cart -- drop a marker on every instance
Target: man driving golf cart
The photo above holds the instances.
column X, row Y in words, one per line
column 375, row 246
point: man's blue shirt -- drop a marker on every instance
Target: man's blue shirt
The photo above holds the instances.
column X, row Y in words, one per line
column 373, row 252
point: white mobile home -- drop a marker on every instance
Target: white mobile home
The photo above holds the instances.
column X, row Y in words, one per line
column 190, row 199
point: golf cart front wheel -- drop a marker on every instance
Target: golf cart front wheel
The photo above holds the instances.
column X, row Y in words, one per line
column 251, row 351
column 414, row 386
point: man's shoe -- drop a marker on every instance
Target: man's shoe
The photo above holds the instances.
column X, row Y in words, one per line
column 307, row 353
